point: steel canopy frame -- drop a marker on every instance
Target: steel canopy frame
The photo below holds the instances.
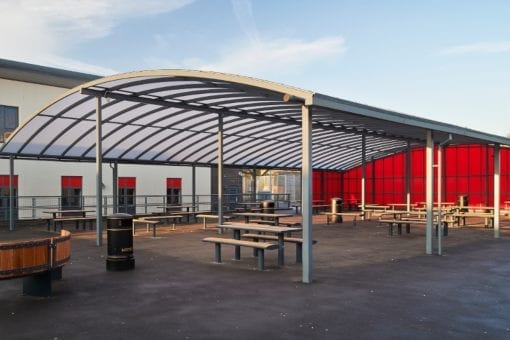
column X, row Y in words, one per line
column 203, row 118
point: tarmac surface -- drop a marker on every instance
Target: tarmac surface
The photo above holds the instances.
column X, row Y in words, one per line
column 367, row 285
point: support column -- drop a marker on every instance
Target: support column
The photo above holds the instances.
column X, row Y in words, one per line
column 194, row 188
column 306, row 192
column 115, row 187
column 439, row 199
column 11, row 194
column 372, row 199
column 99, row 175
column 254, row 185
column 497, row 171
column 220, row 169
column 408, row 176
column 429, row 191
column 363, row 171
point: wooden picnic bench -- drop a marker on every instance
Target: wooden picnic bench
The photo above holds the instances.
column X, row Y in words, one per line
column 258, row 246
column 59, row 216
column 37, row 261
column 330, row 215
column 153, row 221
column 407, row 221
column 206, row 217
column 77, row 219
column 296, row 240
column 460, row 217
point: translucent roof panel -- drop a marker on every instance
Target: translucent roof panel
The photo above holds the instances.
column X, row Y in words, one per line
column 173, row 116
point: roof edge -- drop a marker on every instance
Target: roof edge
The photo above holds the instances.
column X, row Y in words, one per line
column 334, row 103
column 43, row 75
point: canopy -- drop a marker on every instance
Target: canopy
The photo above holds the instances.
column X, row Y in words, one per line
column 171, row 117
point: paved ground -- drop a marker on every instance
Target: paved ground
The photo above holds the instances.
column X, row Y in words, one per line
column 367, row 286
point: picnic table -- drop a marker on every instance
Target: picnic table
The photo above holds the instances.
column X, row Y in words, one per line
column 279, row 231
column 275, row 218
column 177, row 209
column 62, row 215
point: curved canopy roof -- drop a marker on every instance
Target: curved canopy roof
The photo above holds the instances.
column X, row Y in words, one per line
column 171, row 117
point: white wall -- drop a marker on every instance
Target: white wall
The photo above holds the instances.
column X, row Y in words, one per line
column 26, row 96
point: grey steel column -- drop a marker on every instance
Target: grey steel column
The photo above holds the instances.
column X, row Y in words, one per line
column 408, row 176
column 193, row 187
column 115, row 187
column 363, row 173
column 220, row 169
column 99, row 175
column 306, row 192
column 439, row 199
column 373, row 180
column 497, row 171
column 11, row 193
column 254, row 185
column 429, row 191
column 487, row 177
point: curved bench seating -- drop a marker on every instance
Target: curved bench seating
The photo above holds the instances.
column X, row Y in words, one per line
column 37, row 261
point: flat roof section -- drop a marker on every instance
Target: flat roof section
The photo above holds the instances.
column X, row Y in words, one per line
column 36, row 74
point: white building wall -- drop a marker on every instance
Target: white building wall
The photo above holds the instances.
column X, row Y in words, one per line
column 26, row 96
column 42, row 178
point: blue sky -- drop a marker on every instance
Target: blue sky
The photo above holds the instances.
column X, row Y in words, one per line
column 443, row 60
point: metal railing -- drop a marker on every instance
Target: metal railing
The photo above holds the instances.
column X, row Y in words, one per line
column 32, row 207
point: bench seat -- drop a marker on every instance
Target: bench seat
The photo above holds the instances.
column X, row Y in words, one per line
column 205, row 217
column 329, row 216
column 296, row 240
column 408, row 221
column 148, row 223
column 77, row 219
column 259, row 246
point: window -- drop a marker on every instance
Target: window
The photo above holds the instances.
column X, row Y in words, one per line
column 127, row 195
column 71, row 192
column 8, row 121
column 173, row 191
column 5, row 196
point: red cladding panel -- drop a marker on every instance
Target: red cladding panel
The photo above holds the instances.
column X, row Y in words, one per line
column 5, row 181
column 174, row 183
column 127, row 182
column 68, row 182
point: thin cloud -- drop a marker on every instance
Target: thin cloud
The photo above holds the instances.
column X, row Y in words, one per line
column 42, row 31
column 482, row 47
column 244, row 15
column 266, row 57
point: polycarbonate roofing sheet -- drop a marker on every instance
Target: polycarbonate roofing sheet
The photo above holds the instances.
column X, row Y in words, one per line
column 172, row 116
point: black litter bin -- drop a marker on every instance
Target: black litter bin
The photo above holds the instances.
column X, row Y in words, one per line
column 120, row 242
column 267, row 207
column 336, row 207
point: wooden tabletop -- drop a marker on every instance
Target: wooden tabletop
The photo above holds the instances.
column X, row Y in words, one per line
column 256, row 214
column 258, row 227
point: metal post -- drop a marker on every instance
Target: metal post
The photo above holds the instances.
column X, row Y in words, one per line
column 254, row 185
column 497, row 171
column 11, row 193
column 439, row 198
column 306, row 192
column 115, row 187
column 408, row 176
column 363, row 171
column 99, row 175
column 193, row 187
column 429, row 191
column 220, row 170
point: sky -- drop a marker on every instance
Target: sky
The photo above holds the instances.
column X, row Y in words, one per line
column 443, row 60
